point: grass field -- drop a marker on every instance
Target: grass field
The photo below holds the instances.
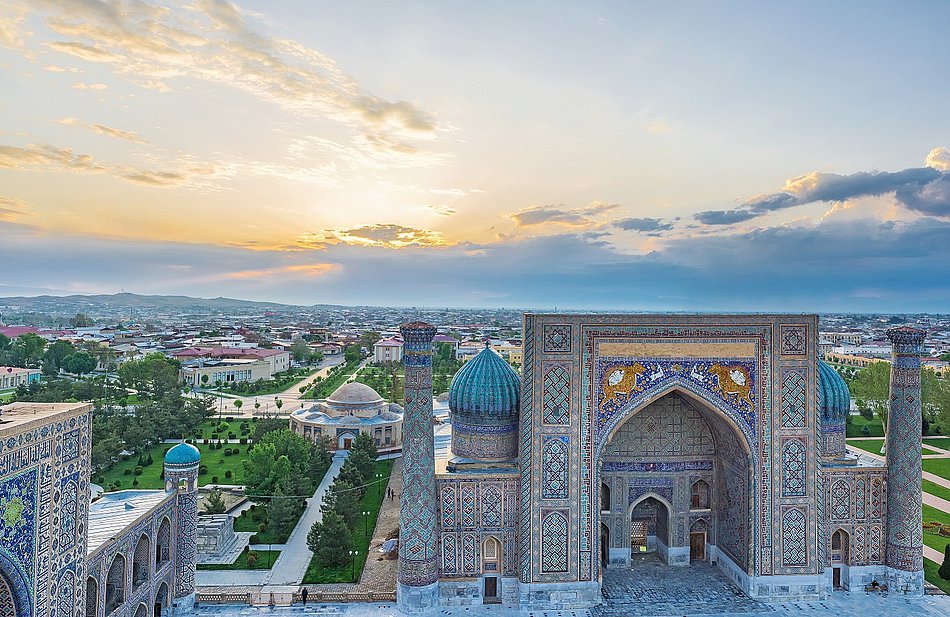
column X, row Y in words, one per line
column 935, row 489
column 857, row 423
column 265, row 560
column 940, row 442
column 930, row 573
column 217, row 464
column 938, row 466
column 371, row 502
column 933, row 540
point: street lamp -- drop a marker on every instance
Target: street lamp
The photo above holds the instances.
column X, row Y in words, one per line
column 353, row 555
column 379, row 486
column 365, row 522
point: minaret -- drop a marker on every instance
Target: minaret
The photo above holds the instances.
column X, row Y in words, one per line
column 418, row 541
column 905, row 559
column 181, row 477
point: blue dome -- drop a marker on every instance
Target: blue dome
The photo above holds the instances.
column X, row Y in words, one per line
column 183, row 454
column 834, row 399
column 486, row 386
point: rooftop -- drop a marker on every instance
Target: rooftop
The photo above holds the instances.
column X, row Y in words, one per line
column 16, row 416
column 113, row 513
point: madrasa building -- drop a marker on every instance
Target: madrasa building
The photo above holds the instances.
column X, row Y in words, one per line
column 710, row 438
column 128, row 554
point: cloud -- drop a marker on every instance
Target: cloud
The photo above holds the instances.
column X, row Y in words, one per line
column 214, row 42
column 939, row 158
column 643, row 224
column 441, row 210
column 12, row 209
column 560, row 215
column 657, row 127
column 102, row 129
column 387, row 236
column 925, row 190
column 53, row 68
column 311, row 270
column 81, row 85
column 34, row 157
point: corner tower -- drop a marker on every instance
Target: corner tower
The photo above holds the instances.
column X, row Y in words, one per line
column 418, row 587
column 181, row 476
column 905, row 560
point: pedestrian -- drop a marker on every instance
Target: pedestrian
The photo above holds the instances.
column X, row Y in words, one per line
column 304, row 594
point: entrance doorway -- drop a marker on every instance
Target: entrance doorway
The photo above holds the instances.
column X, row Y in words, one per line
column 491, row 590
column 697, row 546
column 836, row 578
column 649, row 527
column 604, row 544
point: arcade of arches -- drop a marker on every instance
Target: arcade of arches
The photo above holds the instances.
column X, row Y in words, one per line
column 674, row 481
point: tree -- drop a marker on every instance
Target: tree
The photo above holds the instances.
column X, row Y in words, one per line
column 284, row 509
column 944, row 570
column 352, row 354
column 369, row 339
column 27, row 350
column 352, row 476
column 343, row 499
column 321, row 456
column 238, row 403
column 215, row 503
column 365, row 443
column 54, row 356
column 330, row 540
column 81, row 320
column 300, row 350
column 79, row 363
column 278, row 403
column 204, row 380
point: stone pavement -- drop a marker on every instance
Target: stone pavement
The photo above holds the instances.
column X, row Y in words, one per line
column 651, row 587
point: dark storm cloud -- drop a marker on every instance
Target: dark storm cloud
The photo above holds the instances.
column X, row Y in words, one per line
column 921, row 189
column 643, row 224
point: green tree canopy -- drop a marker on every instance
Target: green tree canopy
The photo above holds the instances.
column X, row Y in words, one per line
column 330, row 540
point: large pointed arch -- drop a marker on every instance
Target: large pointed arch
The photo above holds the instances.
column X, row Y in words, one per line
column 718, row 415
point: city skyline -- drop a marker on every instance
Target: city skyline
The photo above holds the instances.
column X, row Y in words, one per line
column 601, row 156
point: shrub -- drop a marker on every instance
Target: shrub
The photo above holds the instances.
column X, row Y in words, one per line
column 243, row 440
column 262, row 527
column 205, row 441
column 232, row 436
column 227, row 474
column 138, row 471
column 214, row 479
column 866, row 430
column 118, row 483
column 202, row 470
column 127, row 472
column 251, row 560
column 227, row 451
column 135, row 482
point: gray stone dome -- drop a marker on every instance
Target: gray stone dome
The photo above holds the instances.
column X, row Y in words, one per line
column 355, row 393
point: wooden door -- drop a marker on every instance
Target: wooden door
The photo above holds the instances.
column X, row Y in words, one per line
column 491, row 587
column 836, row 578
column 697, row 546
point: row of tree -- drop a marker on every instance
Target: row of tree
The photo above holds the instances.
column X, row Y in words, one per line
column 870, row 388
column 31, row 351
column 332, row 538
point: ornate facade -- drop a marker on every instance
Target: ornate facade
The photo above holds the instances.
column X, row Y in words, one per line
column 129, row 554
column 717, row 438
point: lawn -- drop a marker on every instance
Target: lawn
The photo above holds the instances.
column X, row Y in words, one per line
column 265, row 560
column 371, row 502
column 265, row 387
column 938, row 466
column 325, row 387
column 930, row 573
column 856, row 423
column 213, row 426
column 935, row 489
column 868, row 445
column 933, row 540
column 939, row 442
column 122, row 474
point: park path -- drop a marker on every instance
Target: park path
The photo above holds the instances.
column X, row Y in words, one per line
column 290, row 567
column 294, row 558
column 926, row 474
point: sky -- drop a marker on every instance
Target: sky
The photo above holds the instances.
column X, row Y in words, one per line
column 714, row 156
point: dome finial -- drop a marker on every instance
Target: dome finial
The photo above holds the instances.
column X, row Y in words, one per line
column 487, row 343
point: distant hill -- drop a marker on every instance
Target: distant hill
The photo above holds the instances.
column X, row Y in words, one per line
column 127, row 301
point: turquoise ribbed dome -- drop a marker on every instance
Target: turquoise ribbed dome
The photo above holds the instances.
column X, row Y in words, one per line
column 486, row 386
column 183, row 454
column 834, row 399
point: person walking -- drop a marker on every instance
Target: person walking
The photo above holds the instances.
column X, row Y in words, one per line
column 304, row 594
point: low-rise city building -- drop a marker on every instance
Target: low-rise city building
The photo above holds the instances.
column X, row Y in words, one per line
column 14, row 376
column 353, row 408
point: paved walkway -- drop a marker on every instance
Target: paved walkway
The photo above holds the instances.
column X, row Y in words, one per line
column 926, row 474
column 295, row 555
column 294, row 559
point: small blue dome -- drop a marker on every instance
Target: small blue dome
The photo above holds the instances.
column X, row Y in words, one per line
column 486, row 386
column 834, row 398
column 183, row 454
